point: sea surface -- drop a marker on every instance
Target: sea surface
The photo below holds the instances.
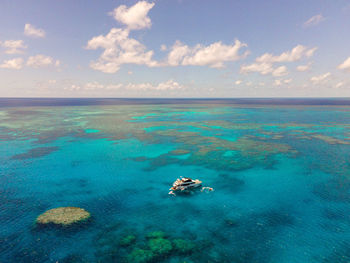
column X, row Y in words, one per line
column 280, row 170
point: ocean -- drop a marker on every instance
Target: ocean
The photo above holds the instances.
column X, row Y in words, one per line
column 279, row 169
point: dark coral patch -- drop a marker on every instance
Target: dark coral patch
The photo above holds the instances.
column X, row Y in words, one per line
column 340, row 254
column 333, row 190
column 35, row 153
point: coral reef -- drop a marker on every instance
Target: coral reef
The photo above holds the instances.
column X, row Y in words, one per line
column 139, row 255
column 155, row 234
column 35, row 153
column 330, row 140
column 155, row 246
column 180, row 152
column 64, row 216
column 160, row 246
column 127, row 240
column 183, row 246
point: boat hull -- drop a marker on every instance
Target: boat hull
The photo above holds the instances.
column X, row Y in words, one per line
column 184, row 188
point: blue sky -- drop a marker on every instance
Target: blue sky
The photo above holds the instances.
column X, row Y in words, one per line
column 168, row 48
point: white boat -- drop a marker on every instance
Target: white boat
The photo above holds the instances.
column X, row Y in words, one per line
column 185, row 183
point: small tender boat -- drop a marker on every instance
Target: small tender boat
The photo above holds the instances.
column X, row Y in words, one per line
column 184, row 183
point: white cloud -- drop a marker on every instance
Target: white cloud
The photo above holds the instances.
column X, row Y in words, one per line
column 277, row 82
column 72, row 88
column 339, row 85
column 163, row 86
column 134, row 17
column 119, row 49
column 280, row 71
column 264, row 63
column 39, row 61
column 113, row 86
column 280, row 82
column 93, row 86
column 13, row 46
column 16, row 63
column 303, row 68
column 321, row 78
column 169, row 85
column 177, row 53
column 345, row 65
column 297, row 53
column 315, row 20
column 238, row 82
column 32, row 31
column 213, row 55
column 98, row 86
column 264, row 69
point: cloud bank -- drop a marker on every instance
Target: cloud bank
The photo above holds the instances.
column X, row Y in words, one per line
column 265, row 63
column 120, row 48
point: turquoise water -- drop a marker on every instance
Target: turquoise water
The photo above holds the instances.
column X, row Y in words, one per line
column 281, row 176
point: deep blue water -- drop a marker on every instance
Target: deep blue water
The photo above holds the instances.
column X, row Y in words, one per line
column 280, row 170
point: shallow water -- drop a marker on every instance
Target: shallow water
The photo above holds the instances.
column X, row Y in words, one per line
column 281, row 176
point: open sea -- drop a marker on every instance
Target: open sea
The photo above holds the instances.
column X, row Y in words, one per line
column 280, row 169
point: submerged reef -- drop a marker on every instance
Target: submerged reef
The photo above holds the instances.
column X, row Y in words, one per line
column 155, row 234
column 139, row 255
column 215, row 143
column 63, row 216
column 330, row 140
column 183, row 246
column 35, row 153
column 141, row 247
column 160, row 246
column 157, row 247
column 127, row 240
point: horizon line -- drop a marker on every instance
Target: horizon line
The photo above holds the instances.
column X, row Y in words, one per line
column 169, row 98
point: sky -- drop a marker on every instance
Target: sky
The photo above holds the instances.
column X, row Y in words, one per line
column 175, row 48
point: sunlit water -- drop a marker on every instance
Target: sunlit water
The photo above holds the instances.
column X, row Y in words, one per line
column 281, row 176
